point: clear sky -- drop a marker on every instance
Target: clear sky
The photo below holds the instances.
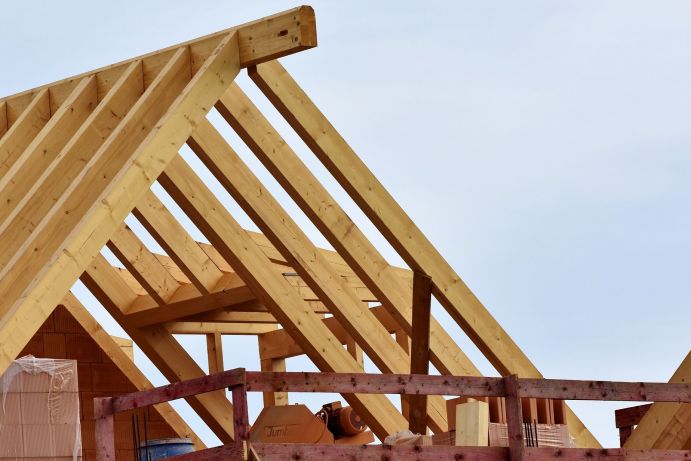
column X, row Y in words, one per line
column 542, row 146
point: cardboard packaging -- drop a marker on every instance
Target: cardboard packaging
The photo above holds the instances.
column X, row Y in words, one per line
column 39, row 411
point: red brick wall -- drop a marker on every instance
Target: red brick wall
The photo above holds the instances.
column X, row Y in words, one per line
column 61, row 337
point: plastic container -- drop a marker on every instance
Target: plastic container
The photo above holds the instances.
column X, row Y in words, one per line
column 164, row 448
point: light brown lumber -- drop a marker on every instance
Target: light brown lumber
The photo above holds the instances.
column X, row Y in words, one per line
column 26, row 169
column 160, row 347
column 151, row 315
column 177, row 242
column 665, row 425
column 56, row 269
column 383, row 280
column 3, row 119
column 266, row 38
column 271, row 289
column 33, row 118
column 110, row 346
column 214, row 352
column 220, row 328
column 304, row 257
column 46, row 233
column 472, row 424
column 397, row 227
column 280, row 345
column 272, row 365
column 65, row 168
column 231, row 316
column 142, row 264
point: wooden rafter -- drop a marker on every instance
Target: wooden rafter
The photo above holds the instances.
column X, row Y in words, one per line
column 268, row 284
column 328, row 216
column 401, row 232
column 666, row 425
column 287, row 237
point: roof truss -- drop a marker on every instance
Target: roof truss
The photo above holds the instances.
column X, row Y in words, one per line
column 77, row 157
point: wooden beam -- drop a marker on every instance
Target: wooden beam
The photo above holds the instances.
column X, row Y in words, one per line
column 220, row 328
column 46, row 233
column 145, row 315
column 214, row 352
column 665, row 425
column 125, row 364
column 22, row 172
column 52, row 183
column 383, row 280
column 419, row 352
column 177, row 243
column 272, row 398
column 33, row 118
column 397, row 227
column 303, row 256
column 280, row 345
column 3, row 119
column 263, row 39
column 107, row 198
column 270, row 287
column 159, row 346
column 229, row 315
column 142, row 264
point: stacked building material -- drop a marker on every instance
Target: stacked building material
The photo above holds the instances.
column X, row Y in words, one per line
column 39, row 417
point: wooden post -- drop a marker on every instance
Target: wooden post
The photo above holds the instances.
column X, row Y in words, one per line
column 105, row 435
column 240, row 413
column 419, row 353
column 404, row 341
column 514, row 418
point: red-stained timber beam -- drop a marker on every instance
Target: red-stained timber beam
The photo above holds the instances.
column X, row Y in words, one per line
column 559, row 389
column 513, row 388
column 276, row 451
column 179, row 390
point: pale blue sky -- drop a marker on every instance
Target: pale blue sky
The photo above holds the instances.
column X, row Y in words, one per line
column 542, row 146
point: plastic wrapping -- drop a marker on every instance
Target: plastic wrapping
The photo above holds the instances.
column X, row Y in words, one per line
column 39, row 417
column 406, row 437
column 548, row 435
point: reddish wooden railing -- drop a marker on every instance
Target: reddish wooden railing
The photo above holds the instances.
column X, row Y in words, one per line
column 240, row 382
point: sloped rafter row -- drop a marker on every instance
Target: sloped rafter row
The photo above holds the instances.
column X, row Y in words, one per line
column 78, row 156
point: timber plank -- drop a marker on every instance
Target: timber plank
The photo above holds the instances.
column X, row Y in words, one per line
column 142, row 264
column 179, row 245
column 266, row 38
column 23, row 172
column 33, row 118
column 63, row 171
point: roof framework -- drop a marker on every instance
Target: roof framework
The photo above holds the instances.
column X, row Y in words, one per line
column 78, row 156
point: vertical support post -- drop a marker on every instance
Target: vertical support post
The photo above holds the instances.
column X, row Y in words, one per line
column 105, row 434
column 355, row 351
column 273, row 365
column 514, row 418
column 240, row 411
column 419, row 353
column 404, row 341
column 214, row 349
